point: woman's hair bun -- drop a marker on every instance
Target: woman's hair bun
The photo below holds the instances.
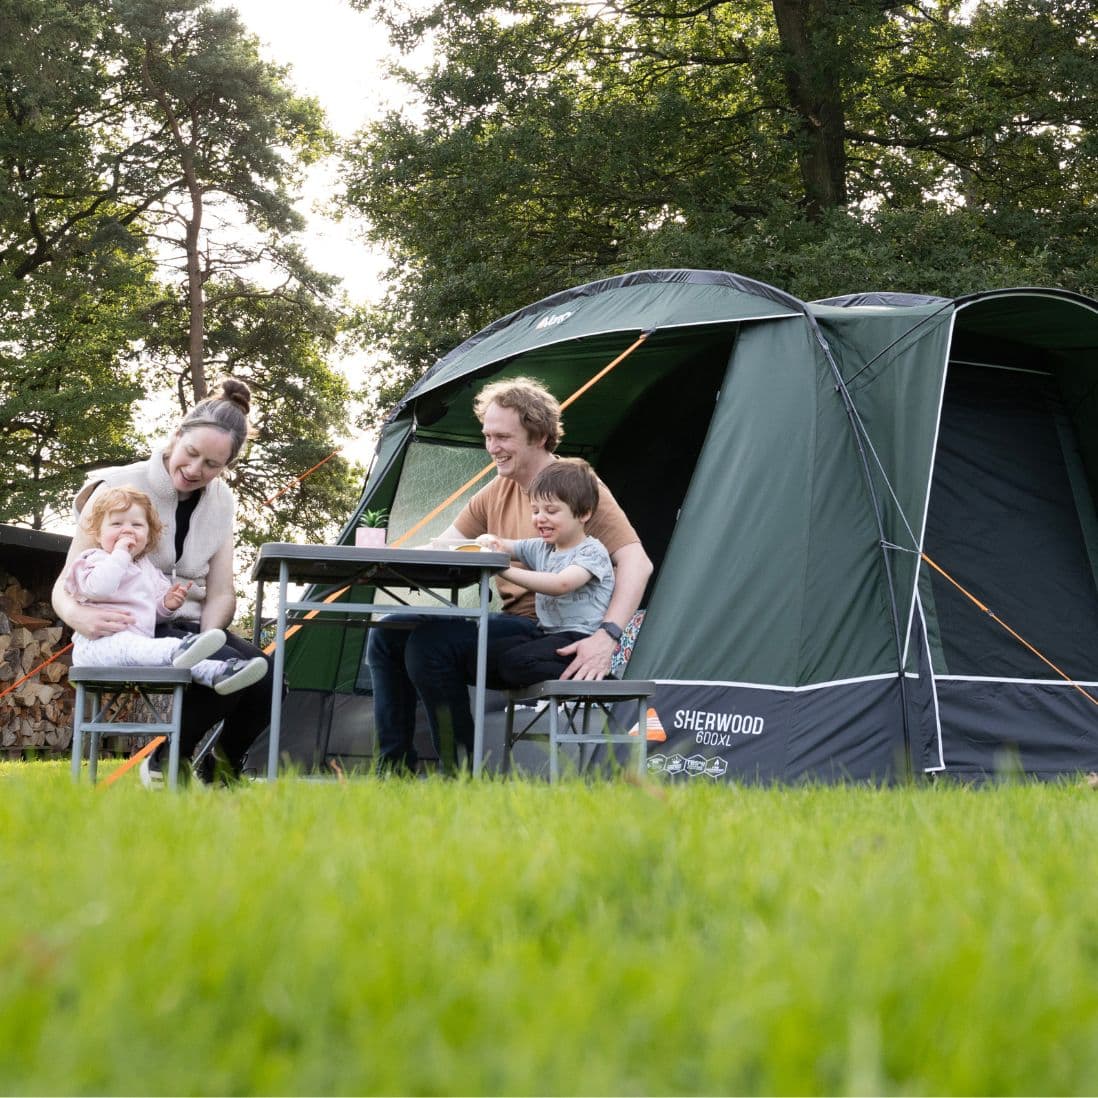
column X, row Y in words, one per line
column 226, row 409
column 235, row 391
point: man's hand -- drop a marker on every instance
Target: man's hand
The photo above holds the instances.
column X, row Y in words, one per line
column 590, row 656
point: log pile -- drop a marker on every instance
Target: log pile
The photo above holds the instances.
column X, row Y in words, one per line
column 38, row 712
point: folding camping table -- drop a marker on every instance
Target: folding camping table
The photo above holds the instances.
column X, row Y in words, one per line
column 424, row 571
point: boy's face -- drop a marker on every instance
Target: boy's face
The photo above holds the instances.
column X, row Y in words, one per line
column 130, row 525
column 555, row 523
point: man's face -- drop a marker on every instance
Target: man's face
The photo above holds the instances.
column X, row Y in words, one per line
column 516, row 455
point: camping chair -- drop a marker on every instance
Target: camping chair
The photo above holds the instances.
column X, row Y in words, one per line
column 94, row 683
column 570, row 706
column 566, row 702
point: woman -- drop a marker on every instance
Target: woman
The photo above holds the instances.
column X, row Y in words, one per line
column 184, row 479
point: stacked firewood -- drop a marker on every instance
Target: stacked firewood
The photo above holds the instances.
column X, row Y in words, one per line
column 38, row 712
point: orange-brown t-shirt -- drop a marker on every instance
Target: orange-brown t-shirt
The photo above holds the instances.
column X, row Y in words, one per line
column 503, row 508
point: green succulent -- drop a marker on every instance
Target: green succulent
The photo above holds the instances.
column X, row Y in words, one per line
column 380, row 517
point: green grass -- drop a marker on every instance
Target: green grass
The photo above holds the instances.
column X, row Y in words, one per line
column 513, row 938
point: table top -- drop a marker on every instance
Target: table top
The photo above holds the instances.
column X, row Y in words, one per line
column 380, row 565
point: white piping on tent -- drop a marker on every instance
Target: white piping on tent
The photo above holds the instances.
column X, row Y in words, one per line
column 1059, row 683
column 965, row 300
column 783, row 689
column 721, row 279
column 933, row 684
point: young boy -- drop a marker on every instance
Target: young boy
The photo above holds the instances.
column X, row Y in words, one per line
column 571, row 574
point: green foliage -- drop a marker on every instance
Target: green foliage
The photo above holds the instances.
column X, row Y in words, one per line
column 516, row 938
column 65, row 403
column 147, row 247
column 801, row 144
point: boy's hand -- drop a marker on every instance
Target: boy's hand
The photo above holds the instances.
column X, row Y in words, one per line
column 177, row 595
column 491, row 542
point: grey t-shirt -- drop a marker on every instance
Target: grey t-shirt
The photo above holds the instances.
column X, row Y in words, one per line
column 579, row 611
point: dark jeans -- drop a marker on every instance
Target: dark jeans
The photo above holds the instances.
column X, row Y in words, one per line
column 520, row 661
column 429, row 659
column 246, row 713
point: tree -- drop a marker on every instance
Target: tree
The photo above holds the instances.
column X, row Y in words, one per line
column 230, row 137
column 822, row 145
column 74, row 281
column 65, row 403
column 147, row 229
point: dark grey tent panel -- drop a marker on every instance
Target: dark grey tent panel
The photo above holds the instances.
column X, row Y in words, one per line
column 1012, row 520
column 793, row 469
column 1004, row 522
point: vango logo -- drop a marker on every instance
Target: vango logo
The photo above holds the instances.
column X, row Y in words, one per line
column 551, row 321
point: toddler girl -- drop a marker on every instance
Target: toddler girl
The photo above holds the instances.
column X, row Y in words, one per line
column 125, row 526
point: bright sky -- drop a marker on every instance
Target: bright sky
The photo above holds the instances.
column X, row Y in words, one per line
column 335, row 54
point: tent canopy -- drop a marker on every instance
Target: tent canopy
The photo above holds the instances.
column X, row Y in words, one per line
column 786, row 464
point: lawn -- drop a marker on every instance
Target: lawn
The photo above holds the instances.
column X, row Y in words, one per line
column 514, row 938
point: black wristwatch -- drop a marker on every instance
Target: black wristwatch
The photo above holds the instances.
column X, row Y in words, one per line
column 611, row 628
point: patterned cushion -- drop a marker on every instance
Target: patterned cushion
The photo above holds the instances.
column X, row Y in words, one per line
column 624, row 649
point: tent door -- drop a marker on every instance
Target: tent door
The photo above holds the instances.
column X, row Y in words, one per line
column 1010, row 518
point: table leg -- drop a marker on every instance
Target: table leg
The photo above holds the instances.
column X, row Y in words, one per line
column 279, row 666
column 257, row 626
column 482, row 676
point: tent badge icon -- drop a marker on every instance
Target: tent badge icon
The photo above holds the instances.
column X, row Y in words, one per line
column 654, row 731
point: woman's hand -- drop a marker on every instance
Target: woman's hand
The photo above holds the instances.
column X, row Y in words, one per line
column 97, row 622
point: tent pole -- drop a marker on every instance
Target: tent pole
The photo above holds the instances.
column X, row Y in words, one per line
column 882, row 541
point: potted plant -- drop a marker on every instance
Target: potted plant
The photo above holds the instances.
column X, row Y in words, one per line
column 372, row 527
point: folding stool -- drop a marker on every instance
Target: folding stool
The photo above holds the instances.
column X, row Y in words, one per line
column 570, row 701
column 93, row 683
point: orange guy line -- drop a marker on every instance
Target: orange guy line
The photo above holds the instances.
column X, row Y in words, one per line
column 488, row 468
column 604, row 371
column 34, row 670
column 298, row 480
column 133, row 760
column 1020, row 639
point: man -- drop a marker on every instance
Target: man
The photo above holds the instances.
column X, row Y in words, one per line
column 431, row 662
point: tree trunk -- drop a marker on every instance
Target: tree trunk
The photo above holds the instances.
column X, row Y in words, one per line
column 195, row 295
column 193, row 232
column 815, row 94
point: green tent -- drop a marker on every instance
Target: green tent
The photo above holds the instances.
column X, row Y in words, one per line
column 819, row 485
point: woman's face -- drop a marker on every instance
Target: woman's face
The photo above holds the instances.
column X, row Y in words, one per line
column 198, row 456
